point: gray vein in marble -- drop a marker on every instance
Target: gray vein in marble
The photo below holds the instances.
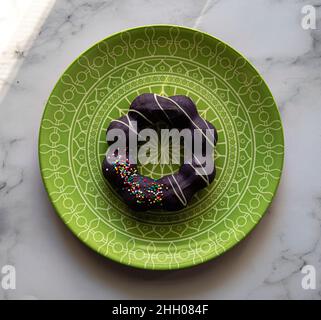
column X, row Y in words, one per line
column 290, row 264
column 208, row 5
column 289, row 58
column 73, row 17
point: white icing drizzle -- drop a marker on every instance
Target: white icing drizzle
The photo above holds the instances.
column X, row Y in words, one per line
column 129, row 122
column 195, row 125
column 128, row 126
column 205, row 176
column 213, row 135
column 160, row 107
column 133, row 110
column 181, row 198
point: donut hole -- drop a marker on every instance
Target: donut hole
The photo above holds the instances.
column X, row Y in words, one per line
column 164, row 155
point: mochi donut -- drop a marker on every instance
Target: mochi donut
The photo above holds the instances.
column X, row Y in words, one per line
column 171, row 192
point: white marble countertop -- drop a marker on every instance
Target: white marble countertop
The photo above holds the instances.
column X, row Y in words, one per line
column 50, row 262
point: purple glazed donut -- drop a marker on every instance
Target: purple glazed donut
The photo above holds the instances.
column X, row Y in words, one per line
column 171, row 192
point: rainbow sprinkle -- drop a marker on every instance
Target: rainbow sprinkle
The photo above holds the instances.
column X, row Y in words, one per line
column 140, row 188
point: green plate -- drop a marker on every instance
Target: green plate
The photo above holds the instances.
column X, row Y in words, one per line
column 99, row 86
